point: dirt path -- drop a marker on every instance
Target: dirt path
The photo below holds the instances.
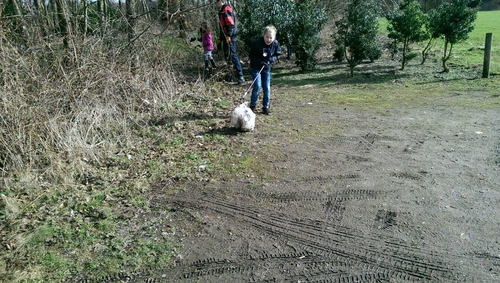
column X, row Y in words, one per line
column 397, row 195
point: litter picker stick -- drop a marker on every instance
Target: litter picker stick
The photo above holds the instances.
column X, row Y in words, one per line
column 248, row 89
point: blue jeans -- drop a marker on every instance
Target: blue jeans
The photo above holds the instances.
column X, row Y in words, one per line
column 263, row 81
column 207, row 55
column 233, row 55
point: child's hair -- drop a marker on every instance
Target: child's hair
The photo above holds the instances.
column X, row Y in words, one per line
column 205, row 28
column 270, row 29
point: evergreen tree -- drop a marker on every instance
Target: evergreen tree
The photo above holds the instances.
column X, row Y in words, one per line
column 357, row 32
column 298, row 24
column 407, row 25
column 310, row 21
column 453, row 22
column 257, row 14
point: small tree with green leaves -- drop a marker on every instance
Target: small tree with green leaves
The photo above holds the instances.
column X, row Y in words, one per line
column 253, row 18
column 357, row 32
column 453, row 22
column 297, row 23
column 257, row 14
column 431, row 36
column 309, row 22
column 407, row 25
column 285, row 16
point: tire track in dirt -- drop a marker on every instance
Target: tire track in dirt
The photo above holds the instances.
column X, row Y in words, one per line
column 299, row 269
column 378, row 256
column 312, row 269
column 325, row 250
column 300, row 196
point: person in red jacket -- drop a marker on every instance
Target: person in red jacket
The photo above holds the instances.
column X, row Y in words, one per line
column 228, row 31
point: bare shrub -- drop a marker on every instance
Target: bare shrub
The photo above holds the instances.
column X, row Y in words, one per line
column 78, row 112
column 64, row 115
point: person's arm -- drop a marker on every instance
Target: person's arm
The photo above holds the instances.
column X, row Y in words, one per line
column 276, row 53
column 221, row 27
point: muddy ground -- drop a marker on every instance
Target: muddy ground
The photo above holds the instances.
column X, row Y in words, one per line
column 399, row 194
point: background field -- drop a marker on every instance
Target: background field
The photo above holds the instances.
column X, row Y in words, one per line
column 469, row 53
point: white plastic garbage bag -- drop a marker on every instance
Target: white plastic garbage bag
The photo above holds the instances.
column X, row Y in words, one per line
column 243, row 118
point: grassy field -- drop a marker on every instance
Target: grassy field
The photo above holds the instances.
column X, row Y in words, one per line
column 77, row 160
column 469, row 53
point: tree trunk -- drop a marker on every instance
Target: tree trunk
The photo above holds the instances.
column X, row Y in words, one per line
column 42, row 17
column 132, row 21
column 351, row 64
column 446, row 55
column 85, row 18
column 102, row 6
column 426, row 50
column 145, row 9
column 18, row 23
column 64, row 22
column 405, row 47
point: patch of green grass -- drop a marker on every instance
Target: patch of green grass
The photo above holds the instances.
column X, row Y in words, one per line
column 106, row 225
column 224, row 103
column 156, row 168
column 412, row 94
column 85, row 241
column 214, row 137
column 65, row 248
column 192, row 156
column 253, row 185
column 252, row 164
column 140, row 201
column 177, row 141
column 182, row 104
column 486, row 22
column 97, row 201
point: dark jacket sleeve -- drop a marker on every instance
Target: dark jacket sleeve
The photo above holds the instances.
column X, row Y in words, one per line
column 276, row 52
column 257, row 50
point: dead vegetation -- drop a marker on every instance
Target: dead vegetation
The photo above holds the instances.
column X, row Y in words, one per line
column 82, row 136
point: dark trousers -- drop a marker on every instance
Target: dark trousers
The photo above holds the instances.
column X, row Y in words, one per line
column 230, row 53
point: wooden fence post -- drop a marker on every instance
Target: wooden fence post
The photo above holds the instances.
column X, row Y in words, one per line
column 487, row 55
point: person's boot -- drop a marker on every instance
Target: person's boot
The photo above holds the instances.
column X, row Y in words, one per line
column 213, row 64
column 206, row 66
